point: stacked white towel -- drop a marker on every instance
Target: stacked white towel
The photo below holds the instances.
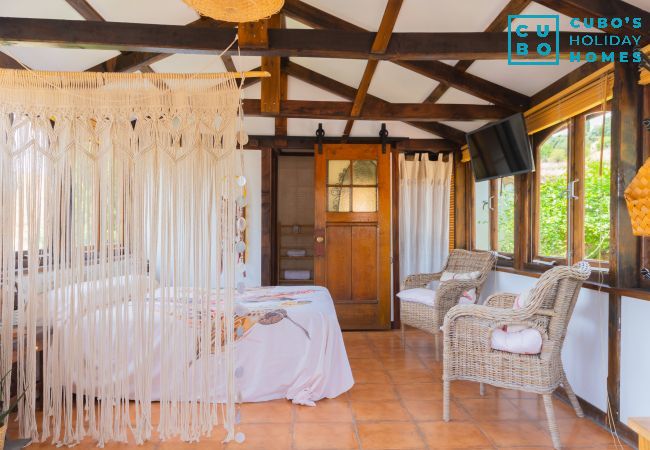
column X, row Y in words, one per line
column 297, row 274
column 296, row 252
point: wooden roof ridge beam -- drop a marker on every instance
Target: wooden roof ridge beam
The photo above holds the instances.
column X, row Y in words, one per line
column 379, row 46
column 133, row 61
column 142, row 37
column 379, row 111
column 88, row 12
column 348, row 92
column 499, row 23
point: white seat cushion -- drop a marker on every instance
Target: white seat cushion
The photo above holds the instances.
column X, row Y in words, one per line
column 466, row 276
column 418, row 295
column 526, row 341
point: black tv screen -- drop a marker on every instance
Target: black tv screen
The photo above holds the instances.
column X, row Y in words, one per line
column 500, row 149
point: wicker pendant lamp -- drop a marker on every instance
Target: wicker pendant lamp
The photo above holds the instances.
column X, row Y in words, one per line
column 236, row 10
column 637, row 196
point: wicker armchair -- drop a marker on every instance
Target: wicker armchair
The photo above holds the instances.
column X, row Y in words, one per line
column 468, row 355
column 430, row 318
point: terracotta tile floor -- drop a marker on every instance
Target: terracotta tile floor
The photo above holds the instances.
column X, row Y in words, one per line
column 397, row 404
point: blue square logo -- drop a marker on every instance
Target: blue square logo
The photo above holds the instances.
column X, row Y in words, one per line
column 534, row 36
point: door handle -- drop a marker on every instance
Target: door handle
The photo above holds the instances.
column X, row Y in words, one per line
column 320, row 239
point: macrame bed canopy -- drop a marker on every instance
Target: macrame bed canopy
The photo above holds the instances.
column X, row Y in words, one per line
column 119, row 200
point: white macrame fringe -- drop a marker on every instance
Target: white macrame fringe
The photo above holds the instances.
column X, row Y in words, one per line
column 105, row 176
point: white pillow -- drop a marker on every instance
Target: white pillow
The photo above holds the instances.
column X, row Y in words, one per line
column 433, row 284
column 446, row 276
column 527, row 341
column 418, row 295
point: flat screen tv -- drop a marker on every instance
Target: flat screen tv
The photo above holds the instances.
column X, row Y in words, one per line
column 500, row 149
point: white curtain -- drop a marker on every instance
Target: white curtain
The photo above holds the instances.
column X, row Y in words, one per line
column 111, row 184
column 423, row 214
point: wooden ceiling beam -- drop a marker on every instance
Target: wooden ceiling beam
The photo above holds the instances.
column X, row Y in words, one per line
column 499, row 23
column 289, row 42
column 348, row 92
column 379, row 111
column 379, row 45
column 308, row 142
column 89, row 13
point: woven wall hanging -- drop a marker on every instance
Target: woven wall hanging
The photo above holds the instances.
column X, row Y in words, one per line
column 637, row 197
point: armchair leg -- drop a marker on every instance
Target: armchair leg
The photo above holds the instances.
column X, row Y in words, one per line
column 550, row 418
column 572, row 396
column 403, row 333
column 445, row 401
column 481, row 389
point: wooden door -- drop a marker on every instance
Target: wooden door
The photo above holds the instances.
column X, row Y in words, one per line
column 352, row 232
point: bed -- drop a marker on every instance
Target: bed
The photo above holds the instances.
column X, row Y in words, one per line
column 289, row 345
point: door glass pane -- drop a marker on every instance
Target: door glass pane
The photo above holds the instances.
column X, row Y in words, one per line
column 364, row 199
column 506, row 213
column 596, row 186
column 552, row 202
column 364, row 172
column 338, row 199
column 482, row 215
column 338, row 172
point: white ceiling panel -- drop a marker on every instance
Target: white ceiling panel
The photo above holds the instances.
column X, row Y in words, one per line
column 447, row 15
column 347, row 71
column 253, row 91
column 370, row 128
column 466, row 126
column 262, row 126
column 363, row 13
column 525, row 79
column 455, row 96
column 168, row 12
column 299, row 90
column 396, row 84
column 307, row 127
column 58, row 59
column 244, row 63
column 186, row 63
column 39, row 9
column 292, row 23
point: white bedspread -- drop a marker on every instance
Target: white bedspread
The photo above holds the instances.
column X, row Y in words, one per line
column 292, row 349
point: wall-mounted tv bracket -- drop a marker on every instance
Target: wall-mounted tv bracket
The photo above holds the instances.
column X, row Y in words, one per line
column 320, row 134
column 645, row 273
column 646, row 124
column 383, row 135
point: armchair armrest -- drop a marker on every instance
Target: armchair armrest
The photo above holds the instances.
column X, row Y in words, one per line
column 486, row 314
column 501, row 300
column 420, row 280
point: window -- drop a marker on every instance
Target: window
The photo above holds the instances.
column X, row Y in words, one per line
column 597, row 180
column 352, row 185
column 551, row 201
column 571, row 217
column 494, row 215
column 482, row 215
column 506, row 215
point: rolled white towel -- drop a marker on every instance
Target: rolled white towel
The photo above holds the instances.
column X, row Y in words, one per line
column 296, row 252
column 297, row 275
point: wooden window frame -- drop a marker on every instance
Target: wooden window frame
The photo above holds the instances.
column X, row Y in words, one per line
column 493, row 222
column 576, row 207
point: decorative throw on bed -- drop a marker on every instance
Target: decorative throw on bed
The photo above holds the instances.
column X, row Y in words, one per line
column 107, row 183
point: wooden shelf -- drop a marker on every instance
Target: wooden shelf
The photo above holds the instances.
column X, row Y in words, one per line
column 282, row 280
column 288, row 240
column 297, row 258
